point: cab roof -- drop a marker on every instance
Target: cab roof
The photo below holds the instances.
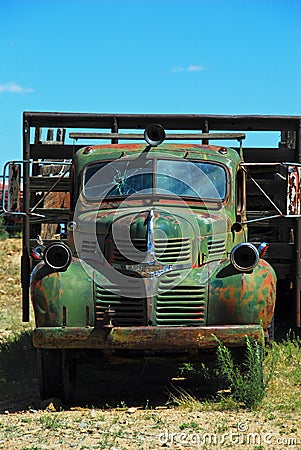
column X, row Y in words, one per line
column 108, row 152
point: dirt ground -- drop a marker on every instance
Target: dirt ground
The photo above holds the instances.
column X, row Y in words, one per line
column 132, row 407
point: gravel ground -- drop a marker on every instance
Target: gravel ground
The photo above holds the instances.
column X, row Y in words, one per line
column 124, row 411
column 146, row 429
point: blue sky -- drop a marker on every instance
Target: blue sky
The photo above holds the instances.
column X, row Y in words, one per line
column 147, row 56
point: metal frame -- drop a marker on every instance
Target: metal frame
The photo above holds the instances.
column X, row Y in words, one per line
column 174, row 136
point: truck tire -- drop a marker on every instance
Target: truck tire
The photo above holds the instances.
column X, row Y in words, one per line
column 57, row 374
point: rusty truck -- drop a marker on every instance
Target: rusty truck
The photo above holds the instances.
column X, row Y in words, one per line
column 142, row 238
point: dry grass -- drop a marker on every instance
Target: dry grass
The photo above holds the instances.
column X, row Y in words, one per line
column 10, row 290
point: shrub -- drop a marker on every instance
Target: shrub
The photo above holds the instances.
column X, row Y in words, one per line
column 246, row 379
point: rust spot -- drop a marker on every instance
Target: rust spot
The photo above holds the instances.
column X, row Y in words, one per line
column 146, row 338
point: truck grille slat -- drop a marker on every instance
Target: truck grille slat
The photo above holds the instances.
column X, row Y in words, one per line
column 128, row 310
column 123, row 251
column 88, row 247
column 166, row 251
column 171, row 298
column 216, row 247
column 180, row 305
column 171, row 251
column 181, row 322
column 193, row 307
column 179, row 315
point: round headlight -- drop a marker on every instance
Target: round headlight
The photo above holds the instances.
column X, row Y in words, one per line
column 244, row 257
column 57, row 256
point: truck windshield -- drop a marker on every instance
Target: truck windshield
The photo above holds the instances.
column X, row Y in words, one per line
column 194, row 179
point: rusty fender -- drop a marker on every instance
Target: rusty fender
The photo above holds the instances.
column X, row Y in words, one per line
column 147, row 338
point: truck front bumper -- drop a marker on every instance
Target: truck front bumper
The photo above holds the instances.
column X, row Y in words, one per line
column 146, row 338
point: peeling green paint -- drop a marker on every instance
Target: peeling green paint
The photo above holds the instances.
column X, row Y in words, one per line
column 71, row 289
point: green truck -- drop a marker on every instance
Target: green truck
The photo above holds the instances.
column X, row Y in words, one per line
column 140, row 245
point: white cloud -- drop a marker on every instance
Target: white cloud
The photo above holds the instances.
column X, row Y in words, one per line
column 178, row 69
column 191, row 68
column 195, row 68
column 14, row 88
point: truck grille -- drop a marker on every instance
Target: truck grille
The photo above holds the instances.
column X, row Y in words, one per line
column 124, row 252
column 129, row 311
column 172, row 251
column 88, row 247
column 167, row 251
column 216, row 248
column 180, row 305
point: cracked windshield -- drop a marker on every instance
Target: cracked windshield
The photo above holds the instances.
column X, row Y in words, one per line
column 148, row 176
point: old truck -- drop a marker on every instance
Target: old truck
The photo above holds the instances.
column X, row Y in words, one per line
column 136, row 244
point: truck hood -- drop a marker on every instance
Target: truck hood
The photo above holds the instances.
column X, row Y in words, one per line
column 177, row 234
column 172, row 221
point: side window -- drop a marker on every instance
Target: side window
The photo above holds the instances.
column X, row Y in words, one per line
column 240, row 192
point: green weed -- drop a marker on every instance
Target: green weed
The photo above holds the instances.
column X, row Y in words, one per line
column 245, row 380
column 34, row 447
column 191, row 425
column 51, row 422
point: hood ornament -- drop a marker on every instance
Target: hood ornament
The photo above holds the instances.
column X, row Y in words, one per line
column 150, row 267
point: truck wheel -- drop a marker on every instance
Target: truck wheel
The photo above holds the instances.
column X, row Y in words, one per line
column 57, row 374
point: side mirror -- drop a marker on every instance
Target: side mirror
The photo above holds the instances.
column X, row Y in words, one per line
column 14, row 188
column 11, row 188
column 293, row 178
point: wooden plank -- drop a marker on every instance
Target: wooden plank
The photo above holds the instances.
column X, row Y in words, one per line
column 168, row 121
column 270, row 155
column 283, row 270
column 279, row 221
column 53, row 151
column 52, row 215
column 45, row 183
column 280, row 250
column 270, row 186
